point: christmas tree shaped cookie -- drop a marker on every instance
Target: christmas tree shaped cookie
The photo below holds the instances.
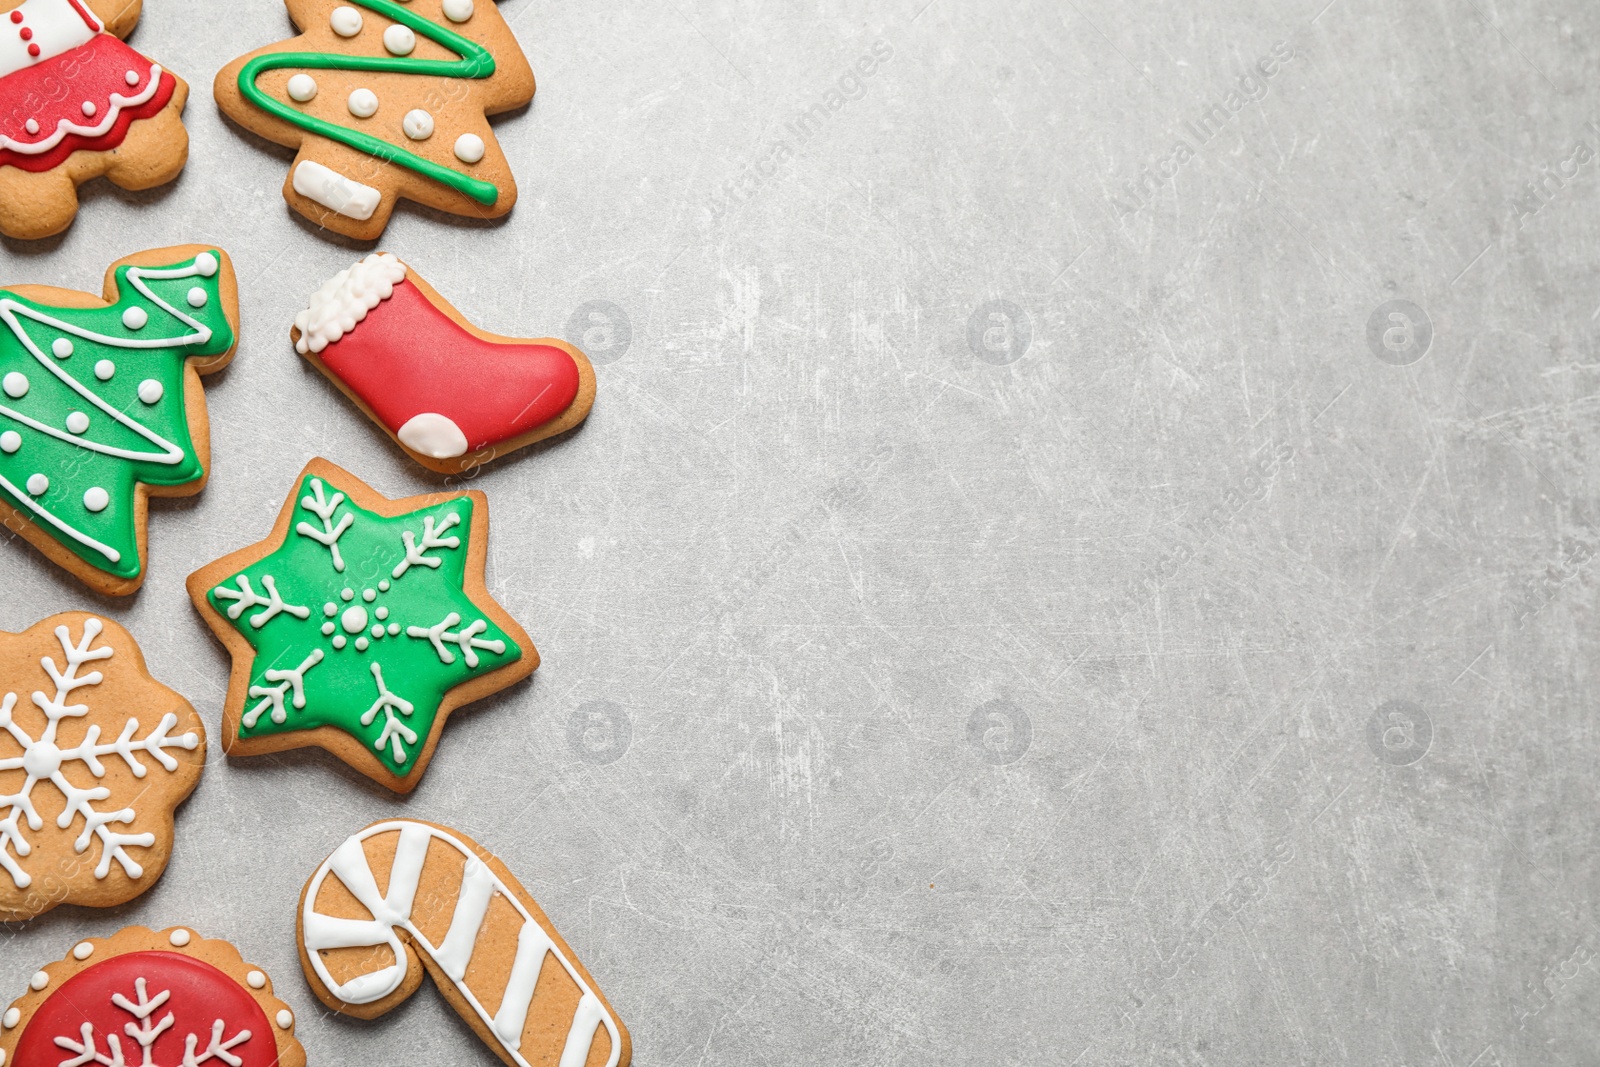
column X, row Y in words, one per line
column 76, row 103
column 385, row 99
column 452, row 395
column 359, row 624
column 101, row 405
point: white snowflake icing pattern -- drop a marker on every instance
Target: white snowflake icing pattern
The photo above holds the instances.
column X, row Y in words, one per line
column 439, row 634
column 393, row 728
column 43, row 760
column 145, row 1034
column 416, row 554
column 358, row 621
column 324, row 508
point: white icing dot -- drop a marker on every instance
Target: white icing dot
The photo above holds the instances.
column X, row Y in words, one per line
column 346, row 21
column 39, row 980
column 285, row 1019
column 37, row 484
column 197, row 297
column 61, row 347
column 13, row 1017
column 179, row 938
column 206, row 264
column 382, row 613
column 363, row 103
column 394, row 629
column 302, row 88
column 10, row 441
column 15, row 384
column 383, row 586
column 104, row 370
column 96, row 499
column 418, row 124
column 469, row 148
column 339, row 641
column 150, row 390
column 347, row 595
column 458, row 10
column 77, row 422
column 361, row 644
column 399, row 40
column 354, row 619
column 83, row 951
column 89, row 109
column 132, row 77
column 377, row 629
column 256, row 979
column 135, row 318
column 330, row 609
column 32, row 126
column 191, row 741
column 368, row 595
column 327, row 628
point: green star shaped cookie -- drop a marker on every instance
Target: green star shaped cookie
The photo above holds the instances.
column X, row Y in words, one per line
column 359, row 625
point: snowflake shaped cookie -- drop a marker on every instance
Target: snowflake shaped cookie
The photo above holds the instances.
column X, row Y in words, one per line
column 94, row 757
column 359, row 625
column 146, row 999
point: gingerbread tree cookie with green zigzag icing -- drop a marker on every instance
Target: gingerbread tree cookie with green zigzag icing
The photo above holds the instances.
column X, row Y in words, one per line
column 359, row 624
column 101, row 405
column 385, row 100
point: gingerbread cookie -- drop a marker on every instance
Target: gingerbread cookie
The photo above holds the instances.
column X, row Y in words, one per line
column 101, row 405
column 452, row 395
column 359, row 625
column 95, row 756
column 490, row 949
column 385, row 101
column 145, row 999
column 77, row 103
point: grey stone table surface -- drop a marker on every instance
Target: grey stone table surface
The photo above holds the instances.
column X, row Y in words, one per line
column 1081, row 554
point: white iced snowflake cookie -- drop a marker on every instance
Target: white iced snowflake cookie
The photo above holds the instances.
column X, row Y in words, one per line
column 147, row 998
column 95, row 755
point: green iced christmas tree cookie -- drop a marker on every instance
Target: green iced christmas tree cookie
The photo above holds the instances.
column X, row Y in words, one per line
column 100, row 405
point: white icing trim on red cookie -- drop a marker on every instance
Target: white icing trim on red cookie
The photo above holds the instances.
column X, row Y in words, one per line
column 344, row 300
column 434, row 435
column 334, row 191
column 99, row 129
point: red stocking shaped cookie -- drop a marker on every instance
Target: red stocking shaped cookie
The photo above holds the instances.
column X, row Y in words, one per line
column 147, row 999
column 452, row 395
column 76, row 103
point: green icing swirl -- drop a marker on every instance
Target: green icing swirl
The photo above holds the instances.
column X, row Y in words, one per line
column 475, row 62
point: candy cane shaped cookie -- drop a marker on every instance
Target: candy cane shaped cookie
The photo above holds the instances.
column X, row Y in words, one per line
column 404, row 889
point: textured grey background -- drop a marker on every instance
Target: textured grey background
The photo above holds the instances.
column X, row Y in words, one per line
column 1137, row 671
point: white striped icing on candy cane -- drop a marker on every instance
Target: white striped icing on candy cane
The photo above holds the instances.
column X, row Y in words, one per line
column 392, row 915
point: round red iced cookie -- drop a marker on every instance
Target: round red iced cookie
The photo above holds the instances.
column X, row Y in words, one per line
column 157, row 1008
